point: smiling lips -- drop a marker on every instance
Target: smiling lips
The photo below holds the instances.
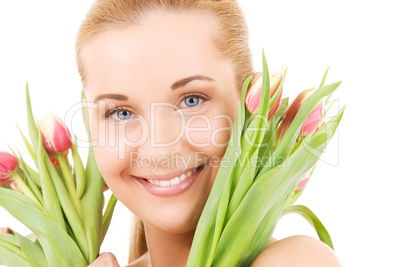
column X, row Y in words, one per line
column 174, row 181
column 167, row 186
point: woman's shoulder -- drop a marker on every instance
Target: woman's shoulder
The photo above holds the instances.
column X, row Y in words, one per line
column 297, row 251
column 144, row 261
column 292, row 251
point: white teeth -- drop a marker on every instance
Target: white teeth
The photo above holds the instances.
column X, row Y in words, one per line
column 174, row 181
column 165, row 183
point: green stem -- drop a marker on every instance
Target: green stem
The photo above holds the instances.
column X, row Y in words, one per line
column 68, row 178
column 25, row 189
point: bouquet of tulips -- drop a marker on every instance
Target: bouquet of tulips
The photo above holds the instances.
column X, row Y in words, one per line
column 60, row 202
column 273, row 150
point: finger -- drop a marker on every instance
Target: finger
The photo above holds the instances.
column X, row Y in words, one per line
column 105, row 259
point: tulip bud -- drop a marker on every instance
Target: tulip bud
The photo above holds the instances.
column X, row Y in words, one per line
column 8, row 164
column 302, row 182
column 55, row 134
column 6, row 230
column 312, row 120
column 253, row 95
column 15, row 187
column 309, row 123
column 5, row 181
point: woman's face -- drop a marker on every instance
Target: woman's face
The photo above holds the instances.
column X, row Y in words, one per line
column 162, row 103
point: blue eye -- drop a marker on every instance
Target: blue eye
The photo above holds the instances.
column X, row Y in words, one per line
column 124, row 115
column 119, row 115
column 192, row 101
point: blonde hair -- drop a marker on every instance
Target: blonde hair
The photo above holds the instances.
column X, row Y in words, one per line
column 231, row 42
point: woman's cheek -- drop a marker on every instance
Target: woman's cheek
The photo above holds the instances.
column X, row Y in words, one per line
column 209, row 134
column 222, row 130
column 198, row 131
column 108, row 149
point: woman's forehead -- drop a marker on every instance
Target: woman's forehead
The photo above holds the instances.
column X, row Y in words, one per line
column 178, row 46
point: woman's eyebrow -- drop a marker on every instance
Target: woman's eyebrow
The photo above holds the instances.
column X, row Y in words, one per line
column 111, row 96
column 185, row 81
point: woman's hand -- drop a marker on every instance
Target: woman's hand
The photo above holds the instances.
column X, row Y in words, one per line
column 105, row 259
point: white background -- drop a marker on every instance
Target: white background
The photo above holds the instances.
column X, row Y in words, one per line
column 355, row 189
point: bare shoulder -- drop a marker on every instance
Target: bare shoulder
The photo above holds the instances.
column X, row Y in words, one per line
column 144, row 261
column 297, row 251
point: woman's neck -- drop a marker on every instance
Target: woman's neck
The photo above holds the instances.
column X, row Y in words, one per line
column 168, row 249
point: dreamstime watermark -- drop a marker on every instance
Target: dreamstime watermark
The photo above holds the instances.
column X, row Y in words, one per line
column 164, row 129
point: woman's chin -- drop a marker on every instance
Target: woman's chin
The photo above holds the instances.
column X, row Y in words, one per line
column 176, row 221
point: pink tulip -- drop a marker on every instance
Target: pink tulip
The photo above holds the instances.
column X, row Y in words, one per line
column 5, row 181
column 8, row 164
column 253, row 95
column 312, row 120
column 15, row 187
column 303, row 182
column 54, row 161
column 5, row 230
column 55, row 134
column 309, row 123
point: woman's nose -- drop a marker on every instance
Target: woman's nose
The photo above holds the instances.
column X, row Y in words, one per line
column 165, row 132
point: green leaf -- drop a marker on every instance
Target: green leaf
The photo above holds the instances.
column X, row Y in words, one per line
column 85, row 115
column 323, row 78
column 313, row 220
column 264, row 106
column 33, row 131
column 92, row 197
column 32, row 184
column 31, row 150
column 263, row 234
column 91, row 207
column 246, row 180
column 50, row 198
column 10, row 259
column 13, row 248
column 8, row 193
column 33, row 253
column 9, row 238
column 69, row 182
column 59, row 248
column 107, row 216
column 247, row 175
column 68, row 207
column 79, row 170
